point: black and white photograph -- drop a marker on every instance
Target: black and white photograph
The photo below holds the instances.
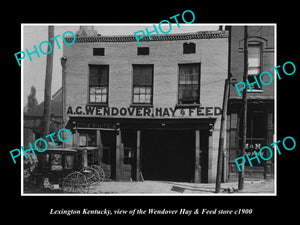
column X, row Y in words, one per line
column 165, row 112
column 148, row 112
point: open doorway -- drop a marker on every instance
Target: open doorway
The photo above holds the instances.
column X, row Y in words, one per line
column 168, row 155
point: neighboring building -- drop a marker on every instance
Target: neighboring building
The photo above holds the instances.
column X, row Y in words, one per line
column 151, row 111
column 33, row 118
column 260, row 116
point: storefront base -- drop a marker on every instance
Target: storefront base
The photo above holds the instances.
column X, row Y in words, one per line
column 150, row 149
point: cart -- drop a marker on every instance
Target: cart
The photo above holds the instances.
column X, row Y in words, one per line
column 63, row 170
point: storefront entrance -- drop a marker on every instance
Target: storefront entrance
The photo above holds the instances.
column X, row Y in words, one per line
column 162, row 150
column 168, row 155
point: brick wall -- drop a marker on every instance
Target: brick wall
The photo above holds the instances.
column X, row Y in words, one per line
column 264, row 35
column 165, row 55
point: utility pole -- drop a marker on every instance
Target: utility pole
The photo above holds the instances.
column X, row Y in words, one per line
column 222, row 137
column 48, row 83
column 244, row 111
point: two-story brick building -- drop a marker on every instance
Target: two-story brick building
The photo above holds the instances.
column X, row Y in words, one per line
column 260, row 113
column 150, row 111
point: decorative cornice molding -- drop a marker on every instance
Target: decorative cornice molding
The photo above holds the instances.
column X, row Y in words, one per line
column 163, row 37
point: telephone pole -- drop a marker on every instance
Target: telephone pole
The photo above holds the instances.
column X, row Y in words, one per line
column 244, row 111
column 222, row 136
column 48, row 83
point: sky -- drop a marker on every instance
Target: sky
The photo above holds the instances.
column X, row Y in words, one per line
column 33, row 34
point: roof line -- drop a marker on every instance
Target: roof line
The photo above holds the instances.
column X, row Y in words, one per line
column 161, row 37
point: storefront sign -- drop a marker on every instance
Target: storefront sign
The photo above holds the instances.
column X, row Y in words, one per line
column 94, row 110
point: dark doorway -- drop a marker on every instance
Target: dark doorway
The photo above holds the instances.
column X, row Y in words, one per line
column 168, row 155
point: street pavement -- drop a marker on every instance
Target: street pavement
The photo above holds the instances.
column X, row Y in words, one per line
column 174, row 188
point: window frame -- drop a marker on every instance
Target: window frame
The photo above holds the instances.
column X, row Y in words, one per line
column 140, row 51
column 197, row 103
column 93, row 85
column 187, row 47
column 260, row 46
column 99, row 50
column 152, row 86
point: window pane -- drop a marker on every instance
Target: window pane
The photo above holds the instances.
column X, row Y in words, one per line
column 147, row 98
column 103, row 90
column 181, row 91
column 254, row 55
column 98, row 90
column 98, row 75
column 142, row 90
column 104, row 98
column 136, row 98
column 92, row 98
column 189, row 78
column 142, row 74
column 136, row 90
column 254, row 71
column 142, row 98
column 148, row 90
column 98, row 98
column 92, row 90
column 253, row 62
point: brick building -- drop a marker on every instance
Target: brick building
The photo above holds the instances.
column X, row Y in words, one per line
column 149, row 111
column 260, row 113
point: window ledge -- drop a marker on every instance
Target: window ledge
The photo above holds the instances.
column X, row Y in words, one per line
column 255, row 91
column 141, row 105
column 188, row 105
column 97, row 103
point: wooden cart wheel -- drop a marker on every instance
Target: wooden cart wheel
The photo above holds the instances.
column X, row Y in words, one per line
column 106, row 170
column 75, row 182
column 91, row 174
column 100, row 172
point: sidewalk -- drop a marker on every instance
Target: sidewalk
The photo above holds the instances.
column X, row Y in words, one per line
column 169, row 187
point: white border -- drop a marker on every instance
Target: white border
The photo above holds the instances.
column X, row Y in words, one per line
column 154, row 194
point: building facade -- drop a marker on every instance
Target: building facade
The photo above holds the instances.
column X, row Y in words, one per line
column 260, row 112
column 149, row 111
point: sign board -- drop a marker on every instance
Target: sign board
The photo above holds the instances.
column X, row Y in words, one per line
column 95, row 110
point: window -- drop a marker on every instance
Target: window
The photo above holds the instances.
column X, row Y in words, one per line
column 142, row 84
column 189, row 48
column 143, row 50
column 98, row 84
column 87, row 139
column 254, row 64
column 98, row 51
column 189, row 83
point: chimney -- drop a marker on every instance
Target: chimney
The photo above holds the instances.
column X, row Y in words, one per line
column 86, row 31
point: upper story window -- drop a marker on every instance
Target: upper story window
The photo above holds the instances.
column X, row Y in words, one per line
column 142, row 84
column 189, row 83
column 98, row 83
column 98, row 51
column 143, row 50
column 189, row 48
column 254, row 63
